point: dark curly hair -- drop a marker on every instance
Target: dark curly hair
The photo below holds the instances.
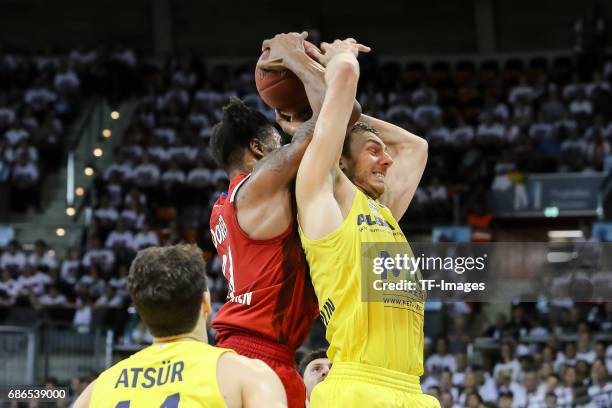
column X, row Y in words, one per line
column 240, row 125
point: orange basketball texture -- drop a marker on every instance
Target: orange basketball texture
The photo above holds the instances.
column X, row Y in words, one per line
column 284, row 91
column 281, row 90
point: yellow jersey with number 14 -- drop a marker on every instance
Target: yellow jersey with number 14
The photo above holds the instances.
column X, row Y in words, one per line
column 179, row 374
column 387, row 333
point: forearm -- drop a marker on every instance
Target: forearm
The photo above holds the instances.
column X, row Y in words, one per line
column 393, row 135
column 312, row 75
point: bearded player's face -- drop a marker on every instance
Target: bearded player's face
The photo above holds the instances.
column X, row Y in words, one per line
column 368, row 163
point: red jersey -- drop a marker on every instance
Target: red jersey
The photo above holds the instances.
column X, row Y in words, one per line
column 270, row 293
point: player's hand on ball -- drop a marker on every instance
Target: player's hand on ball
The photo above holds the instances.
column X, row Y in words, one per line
column 291, row 124
column 328, row 51
column 280, row 47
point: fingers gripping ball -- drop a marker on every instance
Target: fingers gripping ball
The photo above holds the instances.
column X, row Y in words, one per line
column 281, row 90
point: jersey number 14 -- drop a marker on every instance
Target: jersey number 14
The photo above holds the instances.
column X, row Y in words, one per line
column 170, row 402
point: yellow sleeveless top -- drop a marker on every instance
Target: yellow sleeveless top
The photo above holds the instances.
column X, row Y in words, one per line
column 384, row 334
column 180, row 374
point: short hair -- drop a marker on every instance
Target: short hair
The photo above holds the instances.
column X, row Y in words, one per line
column 309, row 358
column 240, row 124
column 358, row 127
column 167, row 285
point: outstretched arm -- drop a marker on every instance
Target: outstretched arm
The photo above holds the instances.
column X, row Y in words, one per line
column 278, row 169
column 319, row 168
column 409, row 153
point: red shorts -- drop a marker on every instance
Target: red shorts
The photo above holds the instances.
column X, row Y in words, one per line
column 278, row 357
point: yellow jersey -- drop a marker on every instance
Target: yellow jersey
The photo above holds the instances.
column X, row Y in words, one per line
column 387, row 333
column 179, row 374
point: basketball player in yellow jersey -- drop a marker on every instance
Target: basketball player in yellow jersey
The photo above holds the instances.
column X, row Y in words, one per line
column 180, row 369
column 351, row 191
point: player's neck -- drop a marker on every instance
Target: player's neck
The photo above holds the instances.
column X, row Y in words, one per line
column 239, row 170
column 198, row 333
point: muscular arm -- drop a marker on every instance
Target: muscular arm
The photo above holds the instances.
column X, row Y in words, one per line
column 319, row 211
column 279, row 168
column 268, row 212
column 409, row 153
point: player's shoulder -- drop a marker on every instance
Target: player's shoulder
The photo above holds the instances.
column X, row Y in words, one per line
column 243, row 364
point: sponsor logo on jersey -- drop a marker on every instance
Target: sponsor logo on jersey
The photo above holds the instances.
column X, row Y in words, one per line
column 373, row 220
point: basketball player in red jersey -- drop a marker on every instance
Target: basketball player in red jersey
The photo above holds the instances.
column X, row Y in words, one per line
column 271, row 303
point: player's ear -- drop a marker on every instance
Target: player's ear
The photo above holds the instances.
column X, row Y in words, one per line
column 256, row 148
column 206, row 307
column 342, row 163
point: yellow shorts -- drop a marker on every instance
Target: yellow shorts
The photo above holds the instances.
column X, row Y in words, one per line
column 351, row 385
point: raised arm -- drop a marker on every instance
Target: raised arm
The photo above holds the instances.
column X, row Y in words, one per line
column 318, row 210
column 409, row 153
column 278, row 169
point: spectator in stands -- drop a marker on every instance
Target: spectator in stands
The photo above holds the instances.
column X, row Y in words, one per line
column 105, row 215
column 43, row 258
column 132, row 216
column 446, row 383
column 98, row 256
column 523, row 113
column 13, row 259
column 83, row 315
column 473, row 400
column 146, row 174
column 447, row 400
column 441, row 359
column 507, row 363
column 597, row 150
column 489, row 132
column 26, row 189
column 9, row 289
column 110, row 299
column 16, row 133
column 121, row 242
column 458, row 336
column 506, row 400
column 71, row 265
column 461, row 369
column 496, row 331
column 565, row 392
column 119, row 282
column 485, row 384
column 581, row 108
column 145, row 237
column 438, row 135
column 585, row 350
column 52, row 297
column 552, row 109
column 600, row 389
column 461, row 136
column 522, row 93
column 32, row 282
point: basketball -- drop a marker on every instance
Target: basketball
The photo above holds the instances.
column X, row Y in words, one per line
column 284, row 91
column 281, row 90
